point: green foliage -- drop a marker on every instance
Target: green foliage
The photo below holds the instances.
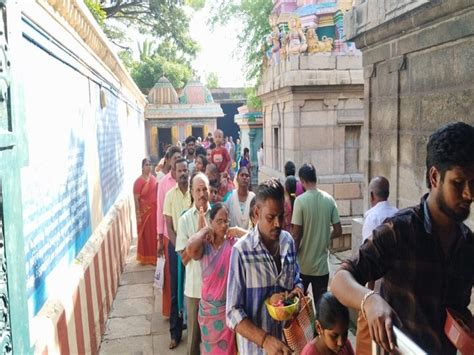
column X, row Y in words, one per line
column 254, row 15
column 212, row 81
column 164, row 19
column 149, row 71
column 253, row 101
column 146, row 49
column 126, row 58
column 156, row 62
column 96, row 10
column 195, row 4
column 115, row 33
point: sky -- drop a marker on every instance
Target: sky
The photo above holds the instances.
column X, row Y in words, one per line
column 218, row 50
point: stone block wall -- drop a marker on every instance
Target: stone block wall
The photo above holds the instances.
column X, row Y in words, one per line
column 313, row 112
column 418, row 74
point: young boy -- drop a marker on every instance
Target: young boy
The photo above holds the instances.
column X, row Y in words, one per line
column 214, row 192
column 220, row 156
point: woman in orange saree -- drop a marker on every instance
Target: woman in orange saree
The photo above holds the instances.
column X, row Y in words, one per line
column 144, row 192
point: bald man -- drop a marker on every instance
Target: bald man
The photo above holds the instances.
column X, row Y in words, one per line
column 379, row 190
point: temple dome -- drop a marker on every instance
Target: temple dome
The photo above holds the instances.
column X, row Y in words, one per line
column 195, row 93
column 163, row 93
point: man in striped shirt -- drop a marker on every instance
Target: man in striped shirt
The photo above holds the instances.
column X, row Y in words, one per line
column 261, row 264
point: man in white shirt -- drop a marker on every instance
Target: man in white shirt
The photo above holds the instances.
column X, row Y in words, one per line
column 238, row 203
column 379, row 189
column 260, row 157
column 188, row 224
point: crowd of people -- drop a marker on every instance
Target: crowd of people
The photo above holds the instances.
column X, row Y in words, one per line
column 229, row 247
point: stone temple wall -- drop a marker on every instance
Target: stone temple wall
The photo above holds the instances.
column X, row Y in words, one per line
column 313, row 112
column 418, row 75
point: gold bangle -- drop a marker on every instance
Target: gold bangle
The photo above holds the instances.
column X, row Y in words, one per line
column 362, row 303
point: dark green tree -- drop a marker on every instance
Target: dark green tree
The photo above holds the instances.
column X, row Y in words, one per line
column 156, row 61
column 165, row 20
column 212, row 80
column 147, row 72
column 253, row 101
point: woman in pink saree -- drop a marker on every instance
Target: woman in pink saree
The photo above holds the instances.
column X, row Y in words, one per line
column 144, row 193
column 212, row 246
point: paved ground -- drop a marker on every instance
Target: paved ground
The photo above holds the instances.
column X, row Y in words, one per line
column 135, row 325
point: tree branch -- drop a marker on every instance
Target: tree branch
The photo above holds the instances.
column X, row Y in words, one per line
column 119, row 6
column 133, row 18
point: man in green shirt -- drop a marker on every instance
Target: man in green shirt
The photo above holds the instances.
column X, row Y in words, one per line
column 313, row 214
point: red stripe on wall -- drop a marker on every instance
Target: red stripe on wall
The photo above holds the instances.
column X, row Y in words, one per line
column 124, row 248
column 115, row 234
column 76, row 301
column 99, row 293
column 106, row 279
column 118, row 243
column 115, row 237
column 110, row 268
column 90, row 311
column 62, row 334
column 130, row 232
column 110, row 247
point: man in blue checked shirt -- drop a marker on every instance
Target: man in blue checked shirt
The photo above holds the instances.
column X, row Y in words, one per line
column 261, row 264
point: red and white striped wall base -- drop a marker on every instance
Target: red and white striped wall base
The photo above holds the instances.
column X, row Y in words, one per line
column 74, row 322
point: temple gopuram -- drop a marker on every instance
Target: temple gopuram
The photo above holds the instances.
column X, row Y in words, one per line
column 171, row 118
column 312, row 92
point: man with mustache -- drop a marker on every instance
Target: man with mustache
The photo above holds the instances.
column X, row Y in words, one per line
column 190, row 223
column 261, row 264
column 177, row 201
column 238, row 203
column 191, row 153
column 424, row 254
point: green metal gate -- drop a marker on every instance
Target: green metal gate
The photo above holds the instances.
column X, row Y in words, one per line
column 14, row 322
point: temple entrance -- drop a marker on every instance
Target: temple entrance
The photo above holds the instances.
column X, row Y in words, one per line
column 198, row 132
column 164, row 140
column 226, row 123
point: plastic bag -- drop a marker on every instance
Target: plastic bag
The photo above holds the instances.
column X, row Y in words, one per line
column 159, row 273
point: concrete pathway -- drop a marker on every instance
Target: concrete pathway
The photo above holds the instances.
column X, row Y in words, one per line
column 135, row 325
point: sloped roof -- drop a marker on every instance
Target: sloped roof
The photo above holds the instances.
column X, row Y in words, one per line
column 196, row 93
column 163, row 93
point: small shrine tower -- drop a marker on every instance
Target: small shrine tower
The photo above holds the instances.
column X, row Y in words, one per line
column 171, row 118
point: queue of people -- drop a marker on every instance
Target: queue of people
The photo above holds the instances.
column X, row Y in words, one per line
column 230, row 247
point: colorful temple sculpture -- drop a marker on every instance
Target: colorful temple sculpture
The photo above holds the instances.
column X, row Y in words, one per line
column 171, row 118
column 310, row 26
column 312, row 91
